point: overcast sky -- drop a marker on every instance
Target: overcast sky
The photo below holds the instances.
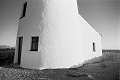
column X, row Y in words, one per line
column 103, row 15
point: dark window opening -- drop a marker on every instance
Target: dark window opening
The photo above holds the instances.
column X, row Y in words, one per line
column 24, row 10
column 34, row 43
column 94, row 47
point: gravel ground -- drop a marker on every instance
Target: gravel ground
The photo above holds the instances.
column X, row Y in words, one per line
column 98, row 71
column 21, row 74
column 56, row 74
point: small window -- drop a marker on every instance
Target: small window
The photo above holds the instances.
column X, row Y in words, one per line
column 34, row 43
column 24, row 10
column 94, row 47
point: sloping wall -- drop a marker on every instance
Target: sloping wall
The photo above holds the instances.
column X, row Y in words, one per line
column 65, row 37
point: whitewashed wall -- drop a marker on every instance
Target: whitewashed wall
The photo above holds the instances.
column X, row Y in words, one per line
column 65, row 37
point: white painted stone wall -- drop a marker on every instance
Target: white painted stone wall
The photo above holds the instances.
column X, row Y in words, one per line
column 65, row 38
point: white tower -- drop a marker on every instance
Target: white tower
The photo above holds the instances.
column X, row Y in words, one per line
column 52, row 34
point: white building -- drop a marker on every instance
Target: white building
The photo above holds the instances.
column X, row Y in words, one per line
column 52, row 34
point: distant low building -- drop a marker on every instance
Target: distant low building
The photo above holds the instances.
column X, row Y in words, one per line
column 52, row 34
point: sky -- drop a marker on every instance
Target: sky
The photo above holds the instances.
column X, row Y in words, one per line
column 9, row 13
column 103, row 15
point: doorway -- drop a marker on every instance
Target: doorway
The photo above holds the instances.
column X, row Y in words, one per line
column 20, row 49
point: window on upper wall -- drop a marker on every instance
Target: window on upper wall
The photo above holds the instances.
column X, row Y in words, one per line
column 94, row 47
column 24, row 10
column 34, row 43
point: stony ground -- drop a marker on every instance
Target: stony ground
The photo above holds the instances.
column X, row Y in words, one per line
column 97, row 71
column 105, row 68
column 58, row 74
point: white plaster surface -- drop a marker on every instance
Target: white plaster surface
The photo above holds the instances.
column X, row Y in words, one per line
column 65, row 38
